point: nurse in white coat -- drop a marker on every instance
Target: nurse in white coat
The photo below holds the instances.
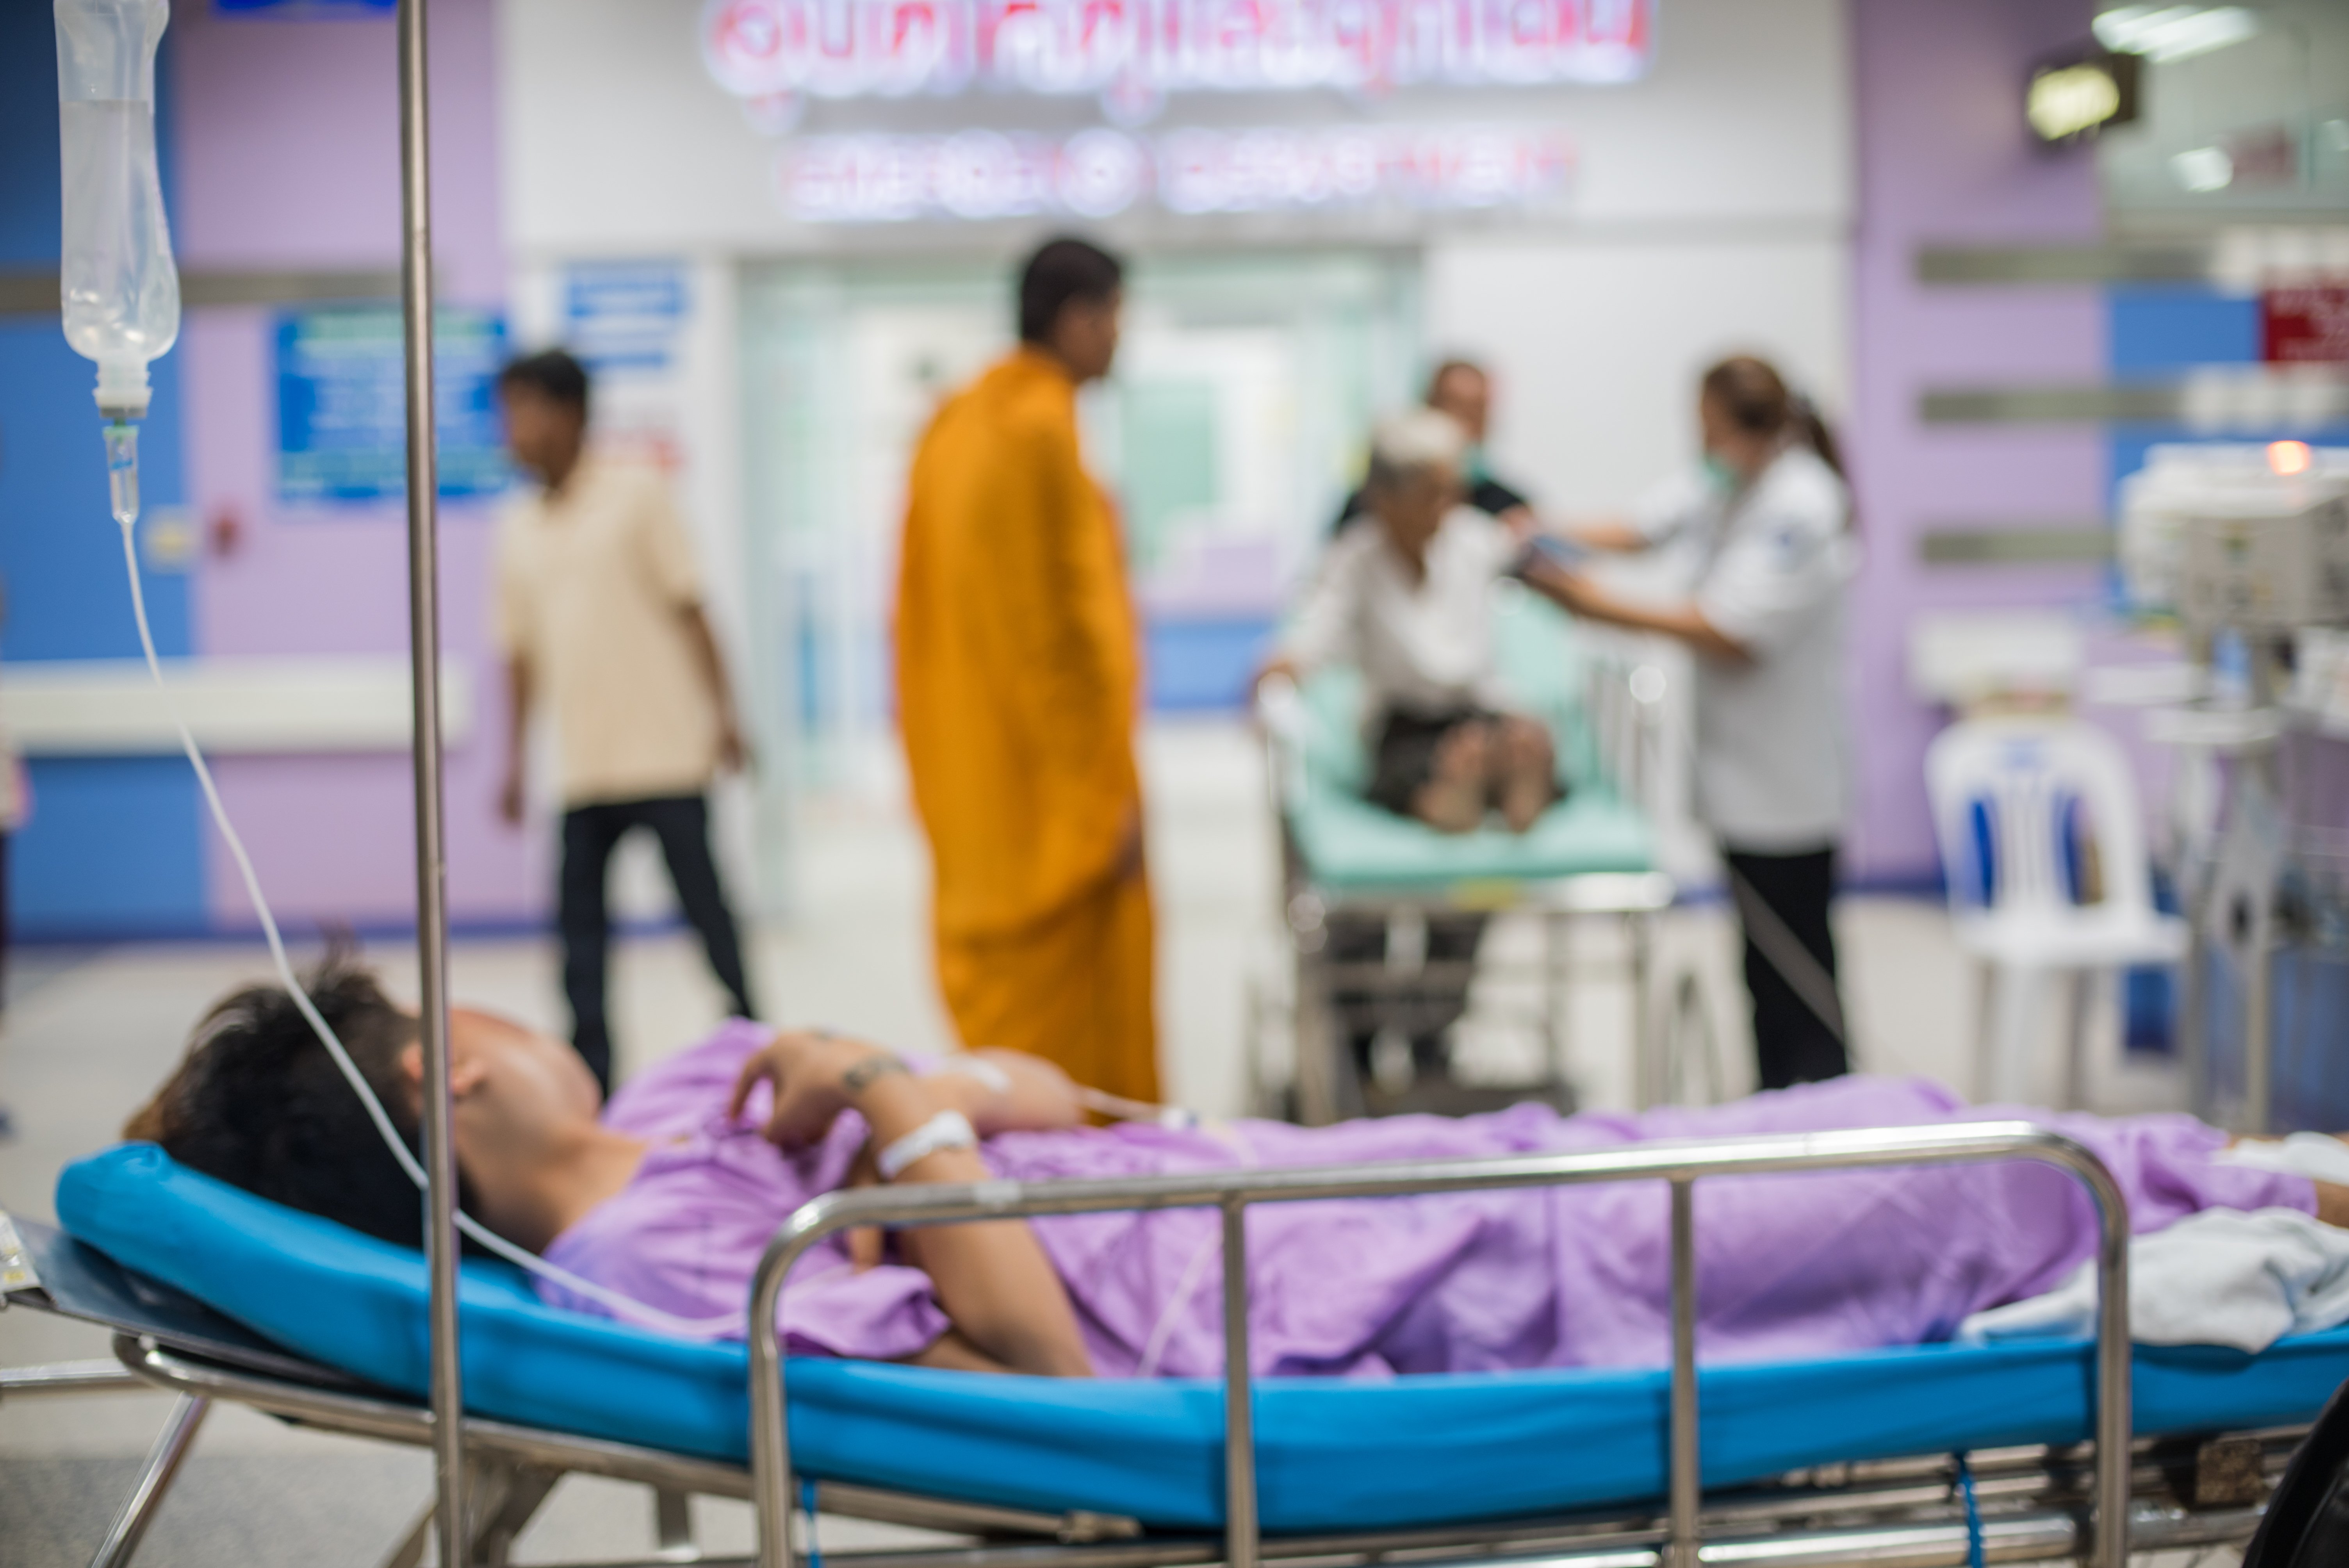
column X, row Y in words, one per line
column 1770, row 519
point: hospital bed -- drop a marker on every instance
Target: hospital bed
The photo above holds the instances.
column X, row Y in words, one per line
column 1346, row 863
column 215, row 1295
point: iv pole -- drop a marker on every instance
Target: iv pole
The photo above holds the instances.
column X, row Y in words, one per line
column 432, row 906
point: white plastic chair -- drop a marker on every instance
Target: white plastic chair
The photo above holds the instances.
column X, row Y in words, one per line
column 2003, row 793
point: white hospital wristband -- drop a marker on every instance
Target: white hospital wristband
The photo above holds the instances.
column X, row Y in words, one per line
column 948, row 1130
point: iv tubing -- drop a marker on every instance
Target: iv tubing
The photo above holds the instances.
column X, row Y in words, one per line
column 626, row 1306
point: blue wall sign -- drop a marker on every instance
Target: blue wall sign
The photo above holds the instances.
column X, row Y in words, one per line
column 342, row 428
column 624, row 316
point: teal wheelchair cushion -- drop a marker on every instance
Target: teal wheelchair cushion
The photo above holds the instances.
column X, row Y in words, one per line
column 1349, row 845
column 1331, row 1454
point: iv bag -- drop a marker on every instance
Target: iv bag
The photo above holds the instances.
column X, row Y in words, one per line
column 121, row 292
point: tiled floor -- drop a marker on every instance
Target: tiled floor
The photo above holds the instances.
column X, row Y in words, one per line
column 90, row 1032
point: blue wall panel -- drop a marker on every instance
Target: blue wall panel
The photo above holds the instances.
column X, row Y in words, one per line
column 114, row 844
column 112, row 850
column 2157, row 330
column 2162, row 332
column 1202, row 665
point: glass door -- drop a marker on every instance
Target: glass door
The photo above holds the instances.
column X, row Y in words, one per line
column 1229, row 435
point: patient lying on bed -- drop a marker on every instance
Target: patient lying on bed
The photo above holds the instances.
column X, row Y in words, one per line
column 670, row 1194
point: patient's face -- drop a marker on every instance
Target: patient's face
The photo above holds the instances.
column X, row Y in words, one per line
column 1411, row 506
column 514, row 1072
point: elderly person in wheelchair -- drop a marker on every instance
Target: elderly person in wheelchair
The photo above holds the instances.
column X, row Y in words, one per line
column 1406, row 598
column 1404, row 595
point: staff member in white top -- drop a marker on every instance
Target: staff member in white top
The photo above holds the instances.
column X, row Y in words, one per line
column 1771, row 518
column 598, row 610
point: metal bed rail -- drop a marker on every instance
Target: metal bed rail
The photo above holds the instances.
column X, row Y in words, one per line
column 1681, row 1163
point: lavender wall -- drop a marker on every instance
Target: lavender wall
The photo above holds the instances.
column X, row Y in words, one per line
column 288, row 159
column 1943, row 159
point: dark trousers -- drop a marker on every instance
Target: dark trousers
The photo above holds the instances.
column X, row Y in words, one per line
column 1792, row 1043
column 590, row 833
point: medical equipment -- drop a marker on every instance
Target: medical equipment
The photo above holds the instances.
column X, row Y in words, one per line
column 1347, row 864
column 2247, row 548
column 121, row 308
column 121, row 293
column 1560, row 1467
column 1566, row 554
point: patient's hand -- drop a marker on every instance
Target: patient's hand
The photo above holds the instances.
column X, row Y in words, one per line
column 816, row 1076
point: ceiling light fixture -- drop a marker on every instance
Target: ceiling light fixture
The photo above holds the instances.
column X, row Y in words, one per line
column 2204, row 168
column 2165, row 33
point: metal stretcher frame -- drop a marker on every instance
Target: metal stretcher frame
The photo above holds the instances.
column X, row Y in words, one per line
column 1844, row 1513
column 1622, row 705
column 1681, row 1163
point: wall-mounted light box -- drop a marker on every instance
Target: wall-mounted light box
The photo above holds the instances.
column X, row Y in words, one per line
column 2076, row 94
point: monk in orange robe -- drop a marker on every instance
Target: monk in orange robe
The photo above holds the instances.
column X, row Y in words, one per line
column 1018, row 677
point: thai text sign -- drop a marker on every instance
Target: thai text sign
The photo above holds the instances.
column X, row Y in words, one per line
column 342, row 402
column 1139, row 49
column 977, row 174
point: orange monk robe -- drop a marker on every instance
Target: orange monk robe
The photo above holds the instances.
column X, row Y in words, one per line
column 1018, row 677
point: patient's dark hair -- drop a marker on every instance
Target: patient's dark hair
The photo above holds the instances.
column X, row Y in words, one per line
column 258, row 1103
column 1060, row 270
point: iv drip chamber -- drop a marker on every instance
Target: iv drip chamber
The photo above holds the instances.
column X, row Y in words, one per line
column 121, row 292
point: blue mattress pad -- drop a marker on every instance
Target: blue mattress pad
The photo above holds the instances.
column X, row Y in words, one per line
column 1331, row 1454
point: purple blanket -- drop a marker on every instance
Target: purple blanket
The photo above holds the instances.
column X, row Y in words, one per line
column 1788, row 1266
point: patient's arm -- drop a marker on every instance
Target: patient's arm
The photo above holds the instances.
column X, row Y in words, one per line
column 1613, row 534
column 1011, row 1091
column 1578, row 595
column 997, row 1286
column 951, row 1352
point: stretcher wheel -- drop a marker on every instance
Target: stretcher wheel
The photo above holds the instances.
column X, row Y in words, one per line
column 2307, row 1522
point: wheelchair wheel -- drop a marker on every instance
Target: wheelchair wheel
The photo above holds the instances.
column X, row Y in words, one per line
column 2307, row 1522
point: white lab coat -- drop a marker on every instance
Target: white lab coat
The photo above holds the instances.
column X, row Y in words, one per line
column 1772, row 564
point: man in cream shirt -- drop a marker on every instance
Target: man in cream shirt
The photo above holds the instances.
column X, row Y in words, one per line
column 598, row 612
